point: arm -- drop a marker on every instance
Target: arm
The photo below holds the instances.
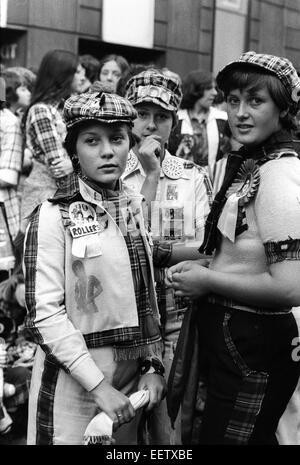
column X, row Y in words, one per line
column 47, row 316
column 190, row 251
column 11, row 153
column 278, row 287
column 278, row 218
column 146, row 152
column 49, row 140
column 152, row 379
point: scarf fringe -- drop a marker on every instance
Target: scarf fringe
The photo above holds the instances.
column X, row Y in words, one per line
column 133, row 353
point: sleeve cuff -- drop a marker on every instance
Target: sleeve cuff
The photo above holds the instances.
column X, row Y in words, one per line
column 87, row 374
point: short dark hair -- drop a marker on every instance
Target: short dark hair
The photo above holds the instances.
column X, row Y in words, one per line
column 193, row 86
column 91, row 66
column 247, row 77
column 72, row 136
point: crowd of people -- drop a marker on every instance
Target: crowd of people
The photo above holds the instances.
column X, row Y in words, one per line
column 150, row 241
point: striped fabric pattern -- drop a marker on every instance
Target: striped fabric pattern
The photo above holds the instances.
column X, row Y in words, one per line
column 98, row 106
column 45, row 133
column 44, row 420
column 249, row 399
column 282, row 250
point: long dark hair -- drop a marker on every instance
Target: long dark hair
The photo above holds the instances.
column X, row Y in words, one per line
column 121, row 62
column 54, row 76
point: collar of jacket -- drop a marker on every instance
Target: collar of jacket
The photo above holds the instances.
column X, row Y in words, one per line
column 71, row 190
column 138, row 167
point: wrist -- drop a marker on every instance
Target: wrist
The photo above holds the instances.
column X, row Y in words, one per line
column 154, row 175
column 152, row 366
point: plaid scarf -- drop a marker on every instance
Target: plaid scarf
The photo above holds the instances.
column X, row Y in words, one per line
column 263, row 153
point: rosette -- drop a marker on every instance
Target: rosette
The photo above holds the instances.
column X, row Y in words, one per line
column 239, row 193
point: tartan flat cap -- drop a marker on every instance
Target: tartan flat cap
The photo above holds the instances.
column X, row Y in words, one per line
column 104, row 107
column 280, row 66
column 155, row 87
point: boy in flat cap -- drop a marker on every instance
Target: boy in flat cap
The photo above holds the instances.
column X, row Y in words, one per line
column 178, row 195
column 97, row 330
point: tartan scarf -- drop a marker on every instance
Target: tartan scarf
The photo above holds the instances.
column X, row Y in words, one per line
column 145, row 339
column 261, row 154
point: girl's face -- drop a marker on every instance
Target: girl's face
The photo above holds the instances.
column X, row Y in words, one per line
column 208, row 97
column 102, row 150
column 253, row 115
column 110, row 74
column 24, row 96
column 78, row 80
column 153, row 120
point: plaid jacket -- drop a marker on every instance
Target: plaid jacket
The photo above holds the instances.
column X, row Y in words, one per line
column 69, row 335
column 45, row 133
column 10, row 167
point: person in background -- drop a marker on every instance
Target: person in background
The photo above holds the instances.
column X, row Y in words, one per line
column 17, row 97
column 200, row 135
column 91, row 66
column 177, row 192
column 14, row 381
column 111, row 69
column 244, row 299
column 91, row 358
column 60, row 74
column 29, row 78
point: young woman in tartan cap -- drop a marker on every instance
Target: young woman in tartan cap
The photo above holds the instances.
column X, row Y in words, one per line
column 245, row 326
column 178, row 194
column 97, row 330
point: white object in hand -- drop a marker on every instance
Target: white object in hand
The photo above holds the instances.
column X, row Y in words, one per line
column 99, row 430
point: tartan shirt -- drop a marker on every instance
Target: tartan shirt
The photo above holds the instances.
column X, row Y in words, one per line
column 10, row 167
column 63, row 340
column 45, row 133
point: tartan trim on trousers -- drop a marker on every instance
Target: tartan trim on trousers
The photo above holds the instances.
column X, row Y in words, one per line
column 45, row 406
column 282, row 250
column 250, row 397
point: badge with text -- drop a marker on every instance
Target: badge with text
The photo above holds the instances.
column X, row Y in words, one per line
column 84, row 220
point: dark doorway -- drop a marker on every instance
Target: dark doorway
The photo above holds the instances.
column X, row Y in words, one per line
column 132, row 54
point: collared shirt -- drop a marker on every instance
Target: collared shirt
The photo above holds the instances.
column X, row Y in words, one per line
column 181, row 205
